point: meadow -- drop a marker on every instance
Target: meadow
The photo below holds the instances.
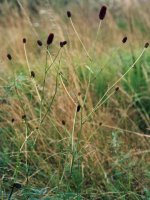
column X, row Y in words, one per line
column 74, row 100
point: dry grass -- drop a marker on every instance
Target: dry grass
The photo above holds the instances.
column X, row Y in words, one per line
column 108, row 156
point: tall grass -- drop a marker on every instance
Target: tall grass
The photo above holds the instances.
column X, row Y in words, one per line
column 74, row 106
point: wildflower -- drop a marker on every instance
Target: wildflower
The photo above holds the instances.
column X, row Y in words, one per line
column 124, row 40
column 39, row 42
column 62, row 44
column 32, row 74
column 9, row 56
column 116, row 89
column 102, row 12
column 24, row 117
column 17, row 185
column 24, row 40
column 50, row 39
column 146, row 45
column 12, row 120
column 63, row 122
column 78, row 108
column 68, row 14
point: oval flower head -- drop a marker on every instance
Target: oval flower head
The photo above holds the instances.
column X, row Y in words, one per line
column 102, row 12
column 68, row 14
column 50, row 39
column 124, row 40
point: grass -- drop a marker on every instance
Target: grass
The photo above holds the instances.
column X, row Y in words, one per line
column 68, row 133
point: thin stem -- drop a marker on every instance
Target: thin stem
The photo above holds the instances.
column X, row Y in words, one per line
column 26, row 15
column 81, row 119
column 26, row 152
column 72, row 140
column 24, row 46
column 48, row 52
column 106, row 63
column 49, row 107
column 99, row 102
column 73, row 128
column 34, row 83
column 86, row 118
column 125, row 130
column 97, row 34
column 11, row 193
column 53, row 61
column 86, row 93
column 122, row 76
column 80, row 39
column 67, row 91
column 26, row 133
column 44, row 81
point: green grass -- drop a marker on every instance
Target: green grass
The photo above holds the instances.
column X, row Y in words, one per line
column 107, row 157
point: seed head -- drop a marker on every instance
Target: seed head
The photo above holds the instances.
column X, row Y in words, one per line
column 39, row 42
column 12, row 120
column 68, row 14
column 146, row 45
column 50, row 39
column 24, row 117
column 100, row 123
column 78, row 108
column 124, row 40
column 32, row 74
column 62, row 44
column 24, row 40
column 17, row 185
column 9, row 56
column 63, row 122
column 116, row 89
column 102, row 12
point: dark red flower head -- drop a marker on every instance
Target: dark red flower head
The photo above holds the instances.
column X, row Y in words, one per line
column 117, row 89
column 68, row 14
column 50, row 39
column 146, row 45
column 9, row 56
column 62, row 44
column 78, row 108
column 39, row 42
column 102, row 12
column 24, row 40
column 17, row 185
column 32, row 74
column 124, row 40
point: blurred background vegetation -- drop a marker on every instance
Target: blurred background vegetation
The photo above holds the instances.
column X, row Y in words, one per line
column 111, row 160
